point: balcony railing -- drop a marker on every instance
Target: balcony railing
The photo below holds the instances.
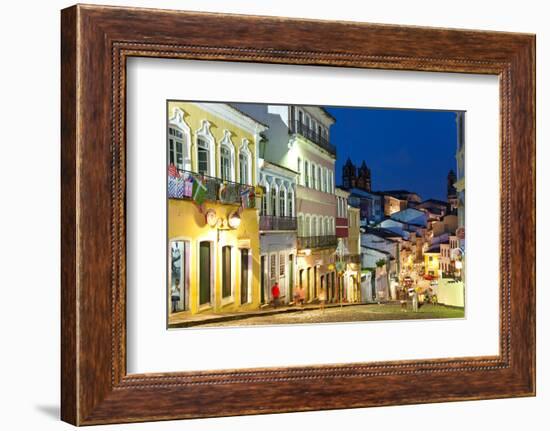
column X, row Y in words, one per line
column 311, row 134
column 268, row 222
column 180, row 186
column 316, row 241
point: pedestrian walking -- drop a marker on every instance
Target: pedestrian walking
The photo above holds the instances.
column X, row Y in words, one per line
column 275, row 294
column 300, row 296
column 297, row 296
column 175, row 293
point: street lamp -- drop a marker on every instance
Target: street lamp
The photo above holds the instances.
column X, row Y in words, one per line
column 234, row 220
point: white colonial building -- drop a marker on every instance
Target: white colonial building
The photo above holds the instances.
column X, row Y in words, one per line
column 277, row 230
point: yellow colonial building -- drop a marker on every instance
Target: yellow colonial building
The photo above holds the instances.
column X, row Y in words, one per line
column 213, row 228
column 431, row 260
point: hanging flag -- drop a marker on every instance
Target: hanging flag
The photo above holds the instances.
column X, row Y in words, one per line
column 172, row 180
column 173, row 171
column 252, row 198
column 188, row 185
column 199, row 191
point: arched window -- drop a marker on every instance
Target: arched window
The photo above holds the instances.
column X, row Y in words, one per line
column 179, row 141
column 306, row 173
column 290, row 203
column 307, row 226
column 263, row 207
column 273, row 201
column 175, row 147
column 321, row 227
column 313, row 226
column 327, row 227
column 243, row 168
column 225, row 163
column 300, row 225
column 281, row 201
column 245, row 164
column 203, row 156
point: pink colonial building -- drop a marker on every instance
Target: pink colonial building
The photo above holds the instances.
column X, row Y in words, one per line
column 315, row 199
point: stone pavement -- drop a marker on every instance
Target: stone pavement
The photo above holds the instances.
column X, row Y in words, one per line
column 185, row 319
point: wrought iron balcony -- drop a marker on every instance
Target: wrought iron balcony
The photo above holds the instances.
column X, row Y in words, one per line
column 180, row 186
column 317, row 241
column 269, row 222
column 313, row 135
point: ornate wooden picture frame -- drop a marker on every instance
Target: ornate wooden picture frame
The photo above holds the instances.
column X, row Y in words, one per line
column 96, row 41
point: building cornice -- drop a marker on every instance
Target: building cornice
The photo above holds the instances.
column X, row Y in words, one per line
column 234, row 116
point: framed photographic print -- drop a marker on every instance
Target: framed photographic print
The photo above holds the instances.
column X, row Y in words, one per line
column 258, row 224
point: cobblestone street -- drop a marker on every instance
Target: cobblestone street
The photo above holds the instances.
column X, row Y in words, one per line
column 356, row 313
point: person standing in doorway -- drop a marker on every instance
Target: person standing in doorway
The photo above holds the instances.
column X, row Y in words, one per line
column 275, row 294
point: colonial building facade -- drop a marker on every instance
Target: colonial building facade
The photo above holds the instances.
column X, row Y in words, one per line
column 277, row 231
column 213, row 231
column 298, row 139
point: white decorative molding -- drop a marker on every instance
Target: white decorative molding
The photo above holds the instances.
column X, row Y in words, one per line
column 233, row 116
column 178, row 121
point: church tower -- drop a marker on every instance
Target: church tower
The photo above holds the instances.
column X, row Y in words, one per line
column 349, row 175
column 363, row 178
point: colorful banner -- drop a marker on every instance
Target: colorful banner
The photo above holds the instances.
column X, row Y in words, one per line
column 199, row 191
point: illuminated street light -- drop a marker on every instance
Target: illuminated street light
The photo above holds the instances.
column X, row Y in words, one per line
column 234, row 221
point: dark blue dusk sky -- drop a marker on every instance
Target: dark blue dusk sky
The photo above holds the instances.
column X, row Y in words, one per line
column 404, row 149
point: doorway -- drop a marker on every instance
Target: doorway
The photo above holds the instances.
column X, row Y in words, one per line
column 262, row 279
column 290, row 277
column 178, row 282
